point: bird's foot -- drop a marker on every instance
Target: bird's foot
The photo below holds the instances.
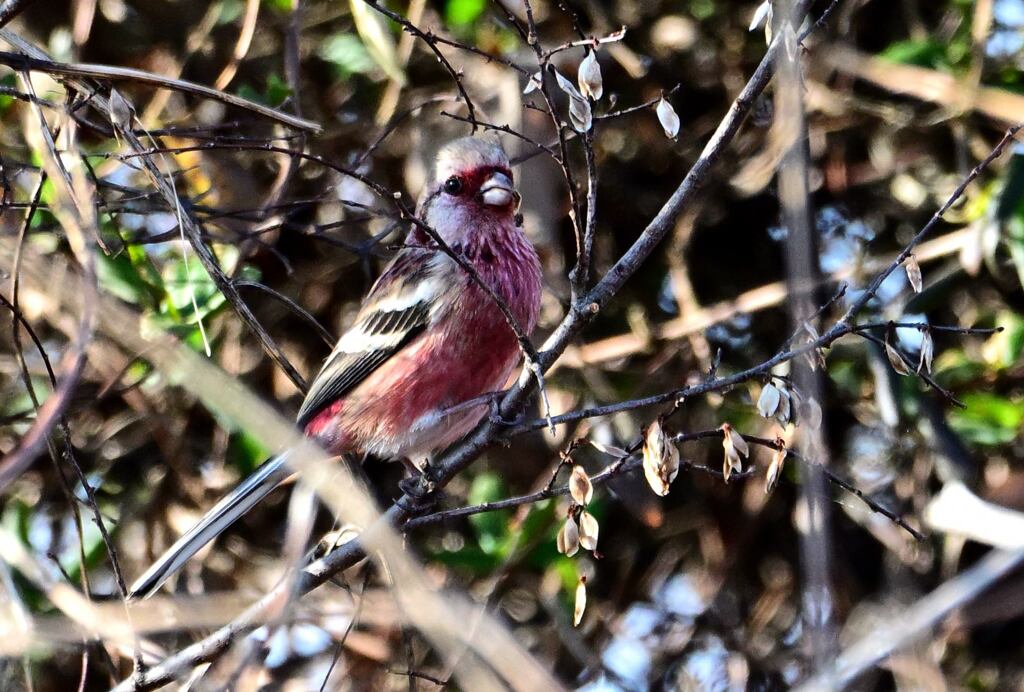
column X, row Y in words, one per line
column 494, row 415
column 418, row 491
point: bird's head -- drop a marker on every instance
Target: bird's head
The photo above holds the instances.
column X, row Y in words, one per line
column 470, row 189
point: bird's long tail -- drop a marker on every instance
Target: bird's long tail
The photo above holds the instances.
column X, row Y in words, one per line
column 230, row 509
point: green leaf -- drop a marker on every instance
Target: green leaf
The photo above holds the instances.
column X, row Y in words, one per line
column 16, row 519
column 230, row 10
column 1003, row 349
column 278, row 5
column 539, row 519
column 460, row 13
column 120, row 276
column 988, row 419
column 702, row 9
column 380, row 43
column 348, row 55
column 568, row 572
column 846, row 377
column 8, row 80
column 491, row 527
column 182, row 278
column 954, row 367
column 923, row 53
column 275, row 93
column 245, row 452
column 278, row 90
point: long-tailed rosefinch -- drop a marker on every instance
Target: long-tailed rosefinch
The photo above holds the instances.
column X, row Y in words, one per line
column 427, row 338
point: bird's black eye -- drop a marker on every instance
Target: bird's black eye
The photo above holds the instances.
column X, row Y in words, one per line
column 453, row 185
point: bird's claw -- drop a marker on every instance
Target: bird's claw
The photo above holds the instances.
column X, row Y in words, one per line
column 418, row 492
column 494, row 415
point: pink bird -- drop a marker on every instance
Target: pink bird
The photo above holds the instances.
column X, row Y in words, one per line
column 427, row 338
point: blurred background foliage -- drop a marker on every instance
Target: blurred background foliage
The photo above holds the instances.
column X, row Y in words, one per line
column 700, row 590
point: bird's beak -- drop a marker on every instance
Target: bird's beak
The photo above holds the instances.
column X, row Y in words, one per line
column 497, row 190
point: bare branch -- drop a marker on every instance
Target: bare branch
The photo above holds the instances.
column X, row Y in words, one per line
column 108, row 73
column 11, row 9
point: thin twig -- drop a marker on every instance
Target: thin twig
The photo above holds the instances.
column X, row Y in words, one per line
column 613, row 37
column 844, row 484
column 925, row 327
column 507, row 129
column 430, row 40
column 545, row 68
column 912, row 367
column 108, row 73
column 620, row 466
column 908, row 249
column 313, row 322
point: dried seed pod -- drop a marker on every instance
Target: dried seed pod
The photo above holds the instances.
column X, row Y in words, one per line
column 776, row 466
column 896, row 360
column 785, row 412
column 589, row 530
column 661, row 459
column 668, row 118
column 581, row 602
column 763, row 15
column 579, row 108
column 568, row 539
column 927, row 352
column 913, row 270
column 580, row 487
column 735, row 449
column 611, row 450
column 589, row 77
column 768, row 402
column 121, row 112
column 533, row 83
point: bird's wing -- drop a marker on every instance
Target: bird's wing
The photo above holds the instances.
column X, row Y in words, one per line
column 399, row 307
